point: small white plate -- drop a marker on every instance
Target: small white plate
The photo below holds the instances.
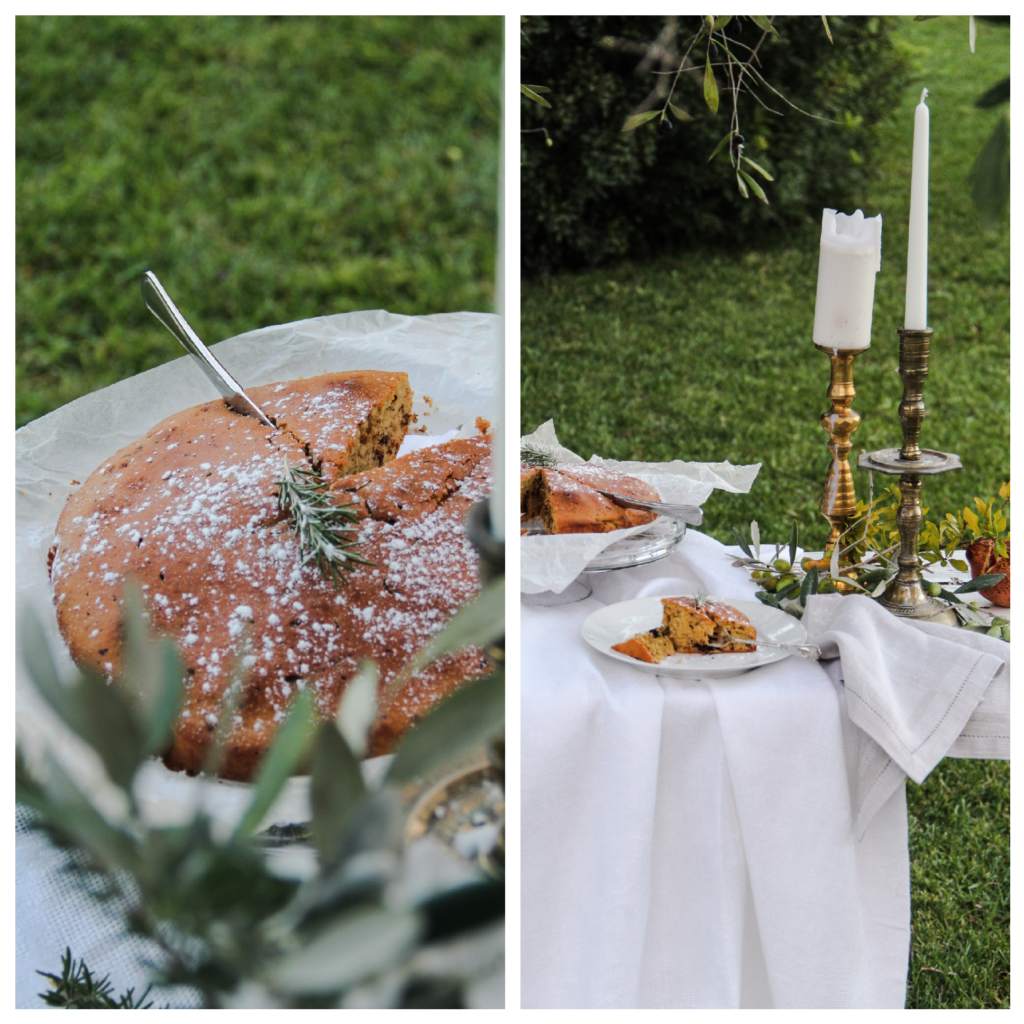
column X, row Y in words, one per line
column 618, row 622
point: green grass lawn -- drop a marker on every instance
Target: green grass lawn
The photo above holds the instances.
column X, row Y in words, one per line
column 267, row 169
column 707, row 355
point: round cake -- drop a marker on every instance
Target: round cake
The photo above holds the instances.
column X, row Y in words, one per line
column 567, row 498
column 190, row 512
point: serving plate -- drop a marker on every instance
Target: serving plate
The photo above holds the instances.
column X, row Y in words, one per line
column 616, row 623
column 661, row 538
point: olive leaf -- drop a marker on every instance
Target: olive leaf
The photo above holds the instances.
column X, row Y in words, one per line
column 999, row 93
column 98, row 713
column 758, row 191
column 478, row 623
column 681, row 114
column 721, row 145
column 755, row 538
column 741, row 541
column 470, row 716
column 152, row 676
column 757, row 167
column 763, row 23
column 635, row 120
column 279, row 763
column 809, row 585
column 335, row 791
column 360, row 942
column 531, row 92
column 981, row 583
column 824, row 21
column 358, row 708
column 710, row 86
column 990, row 176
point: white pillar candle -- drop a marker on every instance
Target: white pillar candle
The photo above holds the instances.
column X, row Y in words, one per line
column 916, row 318
column 850, row 256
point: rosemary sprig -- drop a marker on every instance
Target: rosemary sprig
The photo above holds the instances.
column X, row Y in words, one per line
column 75, row 988
column 325, row 530
column 531, row 454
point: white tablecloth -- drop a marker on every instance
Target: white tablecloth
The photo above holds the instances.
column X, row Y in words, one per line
column 693, row 843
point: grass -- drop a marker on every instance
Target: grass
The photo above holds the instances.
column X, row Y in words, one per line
column 707, row 355
column 267, row 169
column 960, row 887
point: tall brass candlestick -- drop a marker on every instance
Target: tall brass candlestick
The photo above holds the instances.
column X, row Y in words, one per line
column 838, row 500
column 905, row 594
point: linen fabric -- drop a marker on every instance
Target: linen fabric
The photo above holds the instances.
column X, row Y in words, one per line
column 694, row 843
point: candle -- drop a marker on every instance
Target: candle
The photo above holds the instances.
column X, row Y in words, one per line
column 849, row 258
column 916, row 318
column 497, row 502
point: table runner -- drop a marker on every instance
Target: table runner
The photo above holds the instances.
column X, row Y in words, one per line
column 692, row 843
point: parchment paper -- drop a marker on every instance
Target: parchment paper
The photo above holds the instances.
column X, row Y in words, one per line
column 452, row 363
column 552, row 563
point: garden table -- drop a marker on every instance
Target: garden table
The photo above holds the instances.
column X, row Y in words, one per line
column 738, row 841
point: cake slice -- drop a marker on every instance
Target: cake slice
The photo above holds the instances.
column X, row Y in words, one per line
column 566, row 498
column 687, row 622
column 652, row 647
column 699, row 626
column 348, row 422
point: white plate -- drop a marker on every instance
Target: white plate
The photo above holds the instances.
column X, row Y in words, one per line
column 618, row 622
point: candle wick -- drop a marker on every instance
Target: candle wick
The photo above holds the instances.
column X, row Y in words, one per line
column 924, row 94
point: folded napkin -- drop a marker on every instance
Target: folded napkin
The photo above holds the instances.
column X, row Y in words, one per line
column 910, row 691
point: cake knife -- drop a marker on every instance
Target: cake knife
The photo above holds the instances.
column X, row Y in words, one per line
column 160, row 305
column 687, row 513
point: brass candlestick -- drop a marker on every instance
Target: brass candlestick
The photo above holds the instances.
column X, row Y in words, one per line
column 838, row 500
column 905, row 594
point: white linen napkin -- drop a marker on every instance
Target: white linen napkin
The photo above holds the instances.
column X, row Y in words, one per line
column 910, row 690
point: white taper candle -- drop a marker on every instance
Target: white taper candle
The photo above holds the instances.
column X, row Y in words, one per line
column 916, row 317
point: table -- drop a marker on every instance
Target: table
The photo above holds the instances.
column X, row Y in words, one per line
column 679, row 849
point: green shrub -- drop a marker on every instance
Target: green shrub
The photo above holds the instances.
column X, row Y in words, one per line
column 597, row 194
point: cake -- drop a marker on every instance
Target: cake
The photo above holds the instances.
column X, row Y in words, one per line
column 566, row 498
column 652, row 647
column 692, row 625
column 190, row 512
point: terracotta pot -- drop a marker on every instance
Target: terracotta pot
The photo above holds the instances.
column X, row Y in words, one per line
column 981, row 557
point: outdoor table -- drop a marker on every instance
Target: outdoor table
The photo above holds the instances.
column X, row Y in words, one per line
column 707, row 843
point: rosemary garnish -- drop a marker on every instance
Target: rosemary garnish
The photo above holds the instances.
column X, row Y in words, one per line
column 700, row 599
column 324, row 529
column 532, row 454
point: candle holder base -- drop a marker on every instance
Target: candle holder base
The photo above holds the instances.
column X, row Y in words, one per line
column 909, row 601
column 905, row 595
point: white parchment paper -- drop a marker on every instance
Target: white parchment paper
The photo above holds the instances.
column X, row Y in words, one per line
column 452, row 363
column 552, row 563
